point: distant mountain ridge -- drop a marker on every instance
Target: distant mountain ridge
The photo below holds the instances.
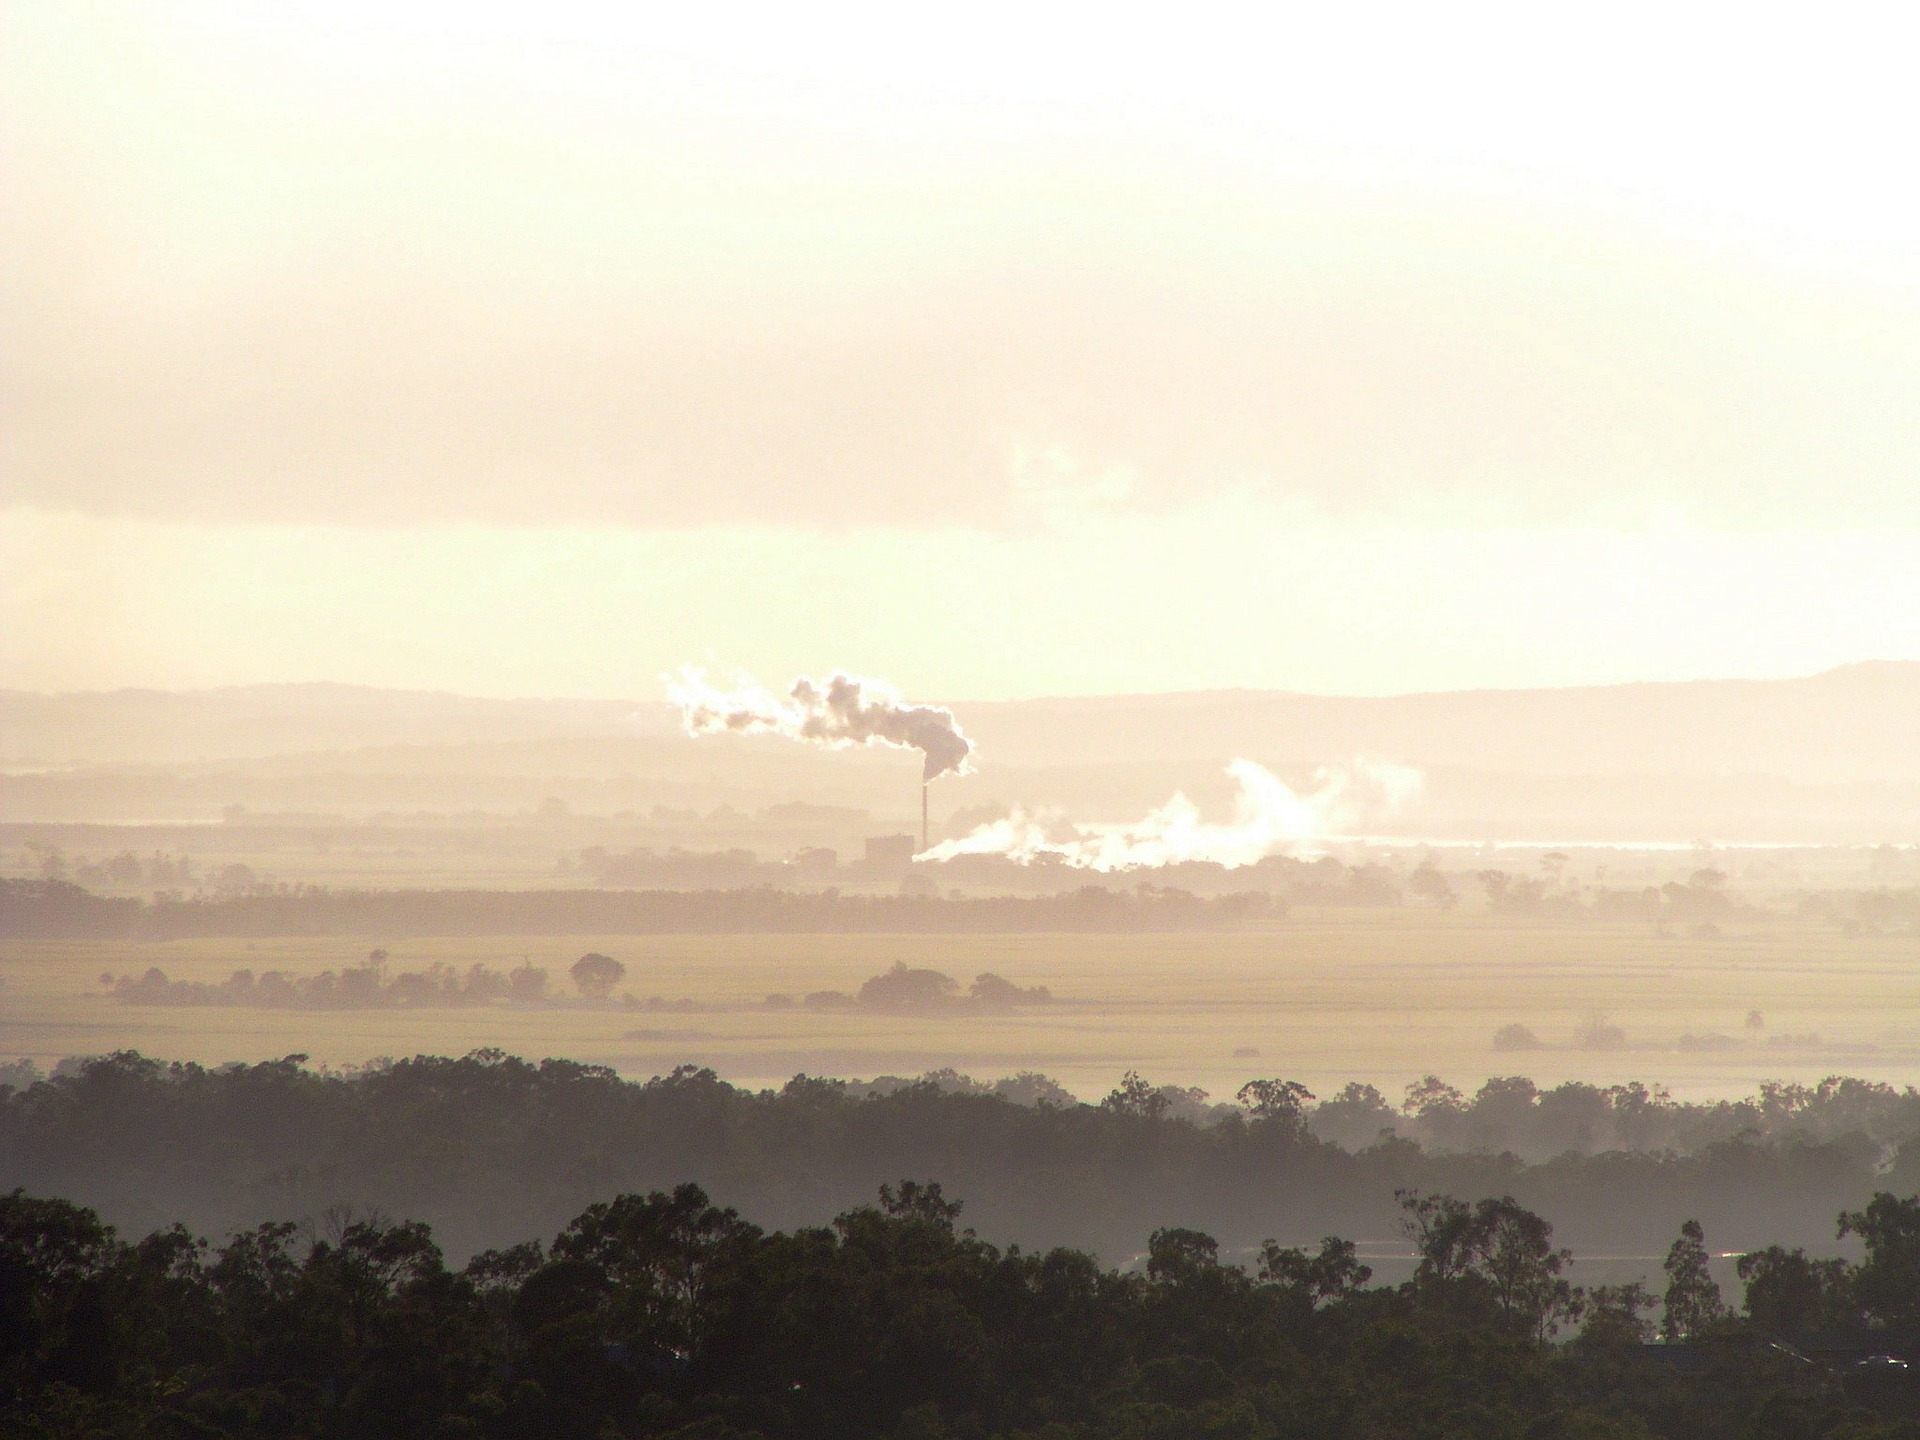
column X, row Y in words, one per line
column 94, row 727
column 1854, row 724
column 1829, row 757
column 1857, row 724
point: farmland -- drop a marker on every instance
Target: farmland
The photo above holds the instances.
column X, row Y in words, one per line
column 1329, row 997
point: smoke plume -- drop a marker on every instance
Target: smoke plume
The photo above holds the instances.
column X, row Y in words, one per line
column 837, row 712
column 1269, row 817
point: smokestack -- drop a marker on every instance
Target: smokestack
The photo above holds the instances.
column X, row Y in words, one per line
column 923, row 815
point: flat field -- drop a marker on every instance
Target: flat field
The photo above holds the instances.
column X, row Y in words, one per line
column 1332, row 997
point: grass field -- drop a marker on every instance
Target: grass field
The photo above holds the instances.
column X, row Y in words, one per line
column 1383, row 998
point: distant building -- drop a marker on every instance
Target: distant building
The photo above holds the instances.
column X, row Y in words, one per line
column 817, row 861
column 891, row 852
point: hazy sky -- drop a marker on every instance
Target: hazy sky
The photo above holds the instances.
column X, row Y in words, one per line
column 540, row 347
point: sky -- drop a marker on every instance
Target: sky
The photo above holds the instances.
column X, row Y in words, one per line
column 515, row 348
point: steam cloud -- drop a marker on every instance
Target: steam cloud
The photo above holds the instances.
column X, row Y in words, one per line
column 1269, row 816
column 838, row 712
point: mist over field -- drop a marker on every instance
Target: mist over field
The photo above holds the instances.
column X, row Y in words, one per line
column 1555, row 864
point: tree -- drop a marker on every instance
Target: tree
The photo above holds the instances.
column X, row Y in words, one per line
column 497, row 1278
column 1438, row 1107
column 1888, row 1280
column 814, row 1092
column 371, row 1262
column 1355, row 1116
column 903, row 989
column 1431, row 1096
column 1614, row 1318
column 662, row 1253
column 527, row 985
column 995, row 992
column 1441, row 1229
column 1516, row 1036
column 1789, row 1294
column 1275, row 1099
column 257, row 1270
column 1175, row 1256
column 1502, row 1110
column 1428, row 884
column 922, row 1202
column 1692, row 1302
column 596, row 974
column 235, row 879
column 1497, row 1247
column 1134, row 1096
column 1515, row 1254
column 1332, row 1275
column 51, row 1242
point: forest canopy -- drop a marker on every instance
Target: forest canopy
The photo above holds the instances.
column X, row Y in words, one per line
column 664, row 1314
column 487, row 1148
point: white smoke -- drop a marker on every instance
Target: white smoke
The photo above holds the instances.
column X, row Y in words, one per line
column 837, row 712
column 1269, row 817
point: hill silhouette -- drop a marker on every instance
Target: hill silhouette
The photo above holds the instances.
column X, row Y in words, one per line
column 1820, row 758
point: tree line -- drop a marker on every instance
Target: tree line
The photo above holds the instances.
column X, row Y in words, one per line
column 488, row 1147
column 59, row 910
column 370, row 985
column 1255, row 898
column 664, row 1314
